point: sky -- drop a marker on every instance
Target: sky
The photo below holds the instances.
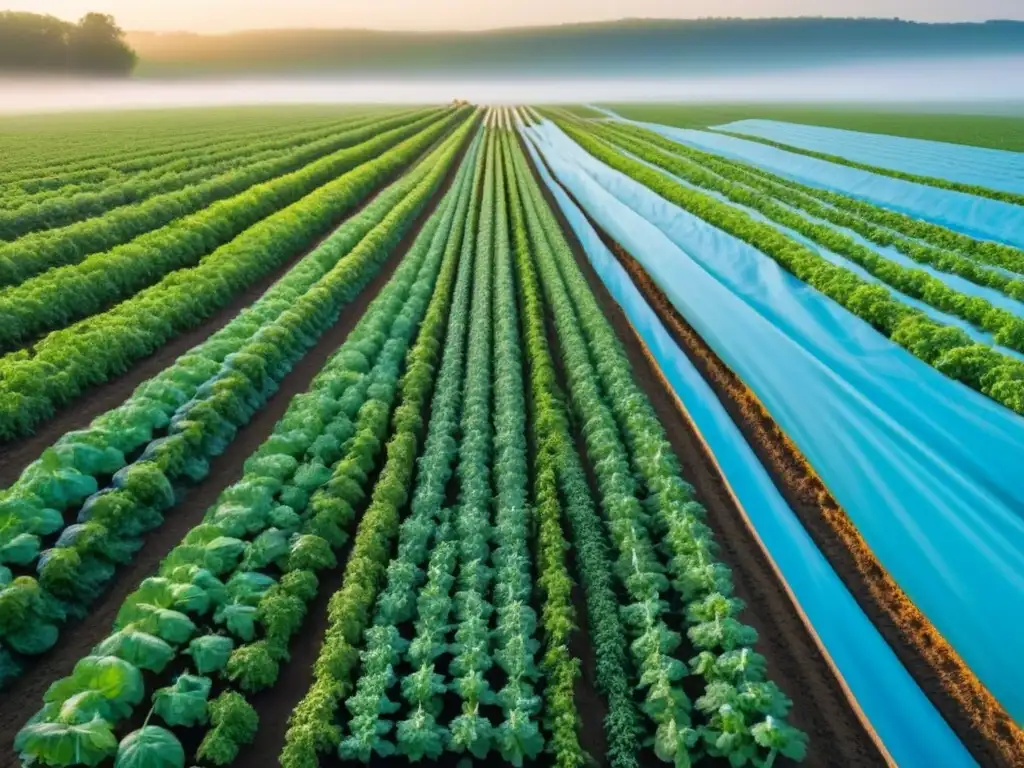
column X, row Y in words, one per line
column 227, row 15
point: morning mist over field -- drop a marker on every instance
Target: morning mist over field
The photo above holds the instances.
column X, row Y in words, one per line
column 704, row 59
column 985, row 84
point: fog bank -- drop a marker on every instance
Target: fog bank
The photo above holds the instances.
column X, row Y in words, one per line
column 991, row 79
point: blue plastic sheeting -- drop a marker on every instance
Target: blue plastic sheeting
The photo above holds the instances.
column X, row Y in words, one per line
column 927, row 469
column 957, row 283
column 975, row 216
column 980, row 166
column 907, row 724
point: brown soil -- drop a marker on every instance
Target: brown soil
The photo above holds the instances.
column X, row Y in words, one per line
column 24, row 695
column 590, row 704
column 821, row 708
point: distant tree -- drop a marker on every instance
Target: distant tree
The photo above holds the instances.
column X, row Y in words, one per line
column 31, row 42
column 97, row 44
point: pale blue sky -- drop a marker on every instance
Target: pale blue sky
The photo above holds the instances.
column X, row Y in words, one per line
column 224, row 15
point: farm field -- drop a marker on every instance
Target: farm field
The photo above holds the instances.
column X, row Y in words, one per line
column 557, row 436
column 993, row 131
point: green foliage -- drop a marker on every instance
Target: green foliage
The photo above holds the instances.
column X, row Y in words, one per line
column 210, row 653
column 153, row 609
column 150, row 747
column 310, row 553
column 471, row 650
column 187, row 584
column 147, row 483
column 21, row 549
column 627, row 442
column 234, row 725
column 67, row 743
column 253, row 666
column 420, row 737
column 311, row 727
column 781, row 739
column 253, row 193
column 138, row 648
column 518, row 737
column 183, row 703
column 65, row 568
column 170, row 306
column 239, row 619
column 118, row 682
column 28, row 615
column 270, row 545
column 722, row 177
column 470, row 732
column 301, row 584
column 639, row 568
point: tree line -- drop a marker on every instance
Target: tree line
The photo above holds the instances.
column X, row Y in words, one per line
column 31, row 42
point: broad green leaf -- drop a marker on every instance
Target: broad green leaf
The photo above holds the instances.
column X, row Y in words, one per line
column 183, row 703
column 64, row 744
column 150, row 747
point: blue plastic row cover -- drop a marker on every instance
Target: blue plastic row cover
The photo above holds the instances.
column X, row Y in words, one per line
column 909, row 727
column 979, row 166
column 979, row 217
column 955, row 282
column 927, row 469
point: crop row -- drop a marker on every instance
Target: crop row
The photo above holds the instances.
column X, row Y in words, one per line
column 228, row 599
column 911, row 236
column 931, row 181
column 666, row 551
column 882, row 227
column 114, row 157
column 66, row 362
column 558, row 476
column 158, row 216
column 760, row 195
column 454, row 614
column 69, row 206
column 313, row 727
column 196, row 408
column 63, row 295
column 427, row 529
column 128, row 428
column 178, row 155
column 1006, row 327
column 434, row 462
column 948, row 349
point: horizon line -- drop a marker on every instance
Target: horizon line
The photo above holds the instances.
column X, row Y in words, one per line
column 595, row 23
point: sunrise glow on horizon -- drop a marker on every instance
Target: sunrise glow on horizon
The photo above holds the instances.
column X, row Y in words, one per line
column 228, row 15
